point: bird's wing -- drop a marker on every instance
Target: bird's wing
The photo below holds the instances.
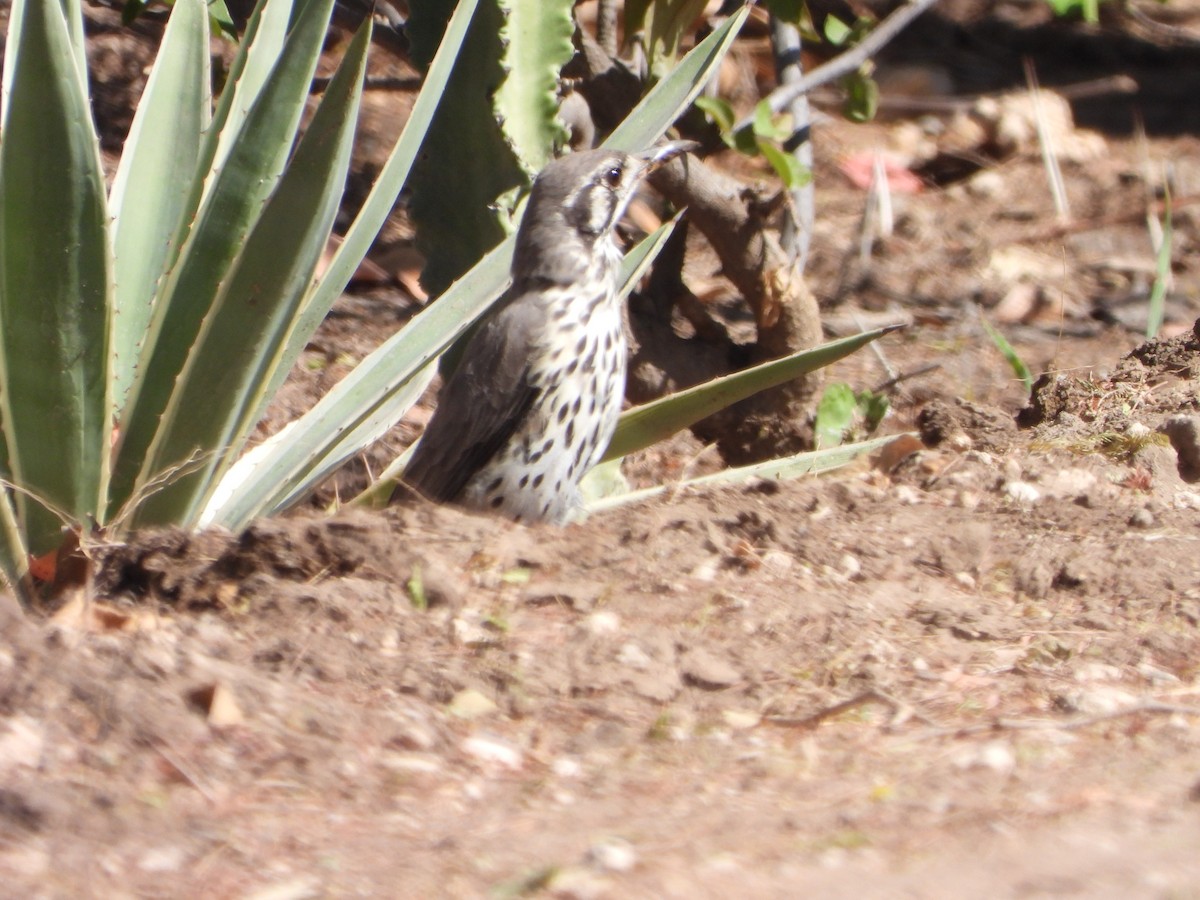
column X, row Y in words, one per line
column 479, row 407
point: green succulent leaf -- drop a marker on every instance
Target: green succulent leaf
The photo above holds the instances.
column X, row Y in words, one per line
column 149, row 199
column 55, row 279
column 454, row 198
column 536, row 38
column 785, row 469
column 655, row 421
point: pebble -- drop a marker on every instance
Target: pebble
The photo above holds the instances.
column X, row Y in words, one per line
column 634, row 657
column 494, row 751
column 708, row 671
column 603, row 622
column 997, row 756
column 1184, row 434
column 1022, row 492
column 1142, row 518
column 471, row 704
column 612, row 855
column 21, row 744
column 161, row 859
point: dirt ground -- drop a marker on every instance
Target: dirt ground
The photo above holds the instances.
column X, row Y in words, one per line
column 968, row 666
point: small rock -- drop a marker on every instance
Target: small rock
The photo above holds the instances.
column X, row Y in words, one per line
column 300, row 888
column 1022, row 492
column 778, row 562
column 493, row 751
column 996, row 756
column 1068, row 483
column 567, row 767
column 1142, row 518
column 161, row 859
column 1098, row 701
column 707, row 671
column 986, row 183
column 1184, row 434
column 1033, row 577
column 578, row 883
column 634, row 657
column 1097, row 671
column 1186, row 500
column 472, row 629
column 612, row 855
column 740, row 720
column 471, row 704
column 602, row 622
column 411, row 763
column 21, row 744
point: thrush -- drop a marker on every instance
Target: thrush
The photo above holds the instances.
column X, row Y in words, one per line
column 535, row 398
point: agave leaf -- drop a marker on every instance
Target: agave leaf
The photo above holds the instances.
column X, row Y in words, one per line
column 241, row 338
column 240, row 188
column 659, row 419
column 55, row 403
column 267, row 32
column 153, row 181
column 785, row 469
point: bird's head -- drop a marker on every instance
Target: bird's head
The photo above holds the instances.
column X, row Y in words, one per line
column 577, row 201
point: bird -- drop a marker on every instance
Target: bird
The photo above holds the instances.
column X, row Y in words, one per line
column 535, row 397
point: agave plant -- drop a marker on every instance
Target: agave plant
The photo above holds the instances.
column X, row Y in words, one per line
column 145, row 326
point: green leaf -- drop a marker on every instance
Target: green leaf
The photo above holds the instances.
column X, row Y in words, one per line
column 1009, row 353
column 862, row 97
column 55, row 274
column 836, row 31
column 873, row 408
column 662, row 25
column 719, row 112
column 790, row 170
column 652, row 422
column 835, row 415
column 785, row 469
column 765, row 125
column 153, row 183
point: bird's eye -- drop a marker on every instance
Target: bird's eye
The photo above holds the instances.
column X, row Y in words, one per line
column 612, row 176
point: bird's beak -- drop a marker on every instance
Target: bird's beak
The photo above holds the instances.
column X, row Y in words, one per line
column 661, row 153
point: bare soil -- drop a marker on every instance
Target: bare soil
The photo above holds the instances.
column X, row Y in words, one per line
column 969, row 666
